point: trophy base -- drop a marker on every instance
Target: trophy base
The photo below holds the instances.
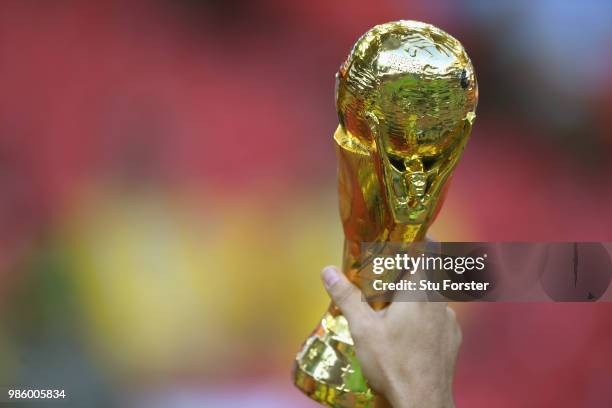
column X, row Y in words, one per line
column 327, row 370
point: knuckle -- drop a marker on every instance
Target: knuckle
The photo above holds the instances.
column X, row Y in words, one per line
column 455, row 330
column 342, row 293
column 458, row 334
column 357, row 330
column 363, row 328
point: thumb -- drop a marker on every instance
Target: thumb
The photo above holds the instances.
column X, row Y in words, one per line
column 344, row 294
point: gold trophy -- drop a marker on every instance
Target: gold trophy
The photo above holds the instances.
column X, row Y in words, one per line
column 406, row 98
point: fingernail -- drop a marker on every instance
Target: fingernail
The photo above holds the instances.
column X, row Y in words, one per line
column 330, row 276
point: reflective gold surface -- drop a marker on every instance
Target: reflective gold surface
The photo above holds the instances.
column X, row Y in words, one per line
column 406, row 99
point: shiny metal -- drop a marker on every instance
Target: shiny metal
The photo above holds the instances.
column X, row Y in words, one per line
column 406, row 99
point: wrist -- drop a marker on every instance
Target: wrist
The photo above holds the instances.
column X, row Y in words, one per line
column 420, row 397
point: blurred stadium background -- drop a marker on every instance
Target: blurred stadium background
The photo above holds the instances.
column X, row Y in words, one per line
column 167, row 193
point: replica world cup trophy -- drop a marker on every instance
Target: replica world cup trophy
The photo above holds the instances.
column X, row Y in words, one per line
column 406, row 99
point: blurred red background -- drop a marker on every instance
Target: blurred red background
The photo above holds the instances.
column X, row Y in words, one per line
column 167, row 193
